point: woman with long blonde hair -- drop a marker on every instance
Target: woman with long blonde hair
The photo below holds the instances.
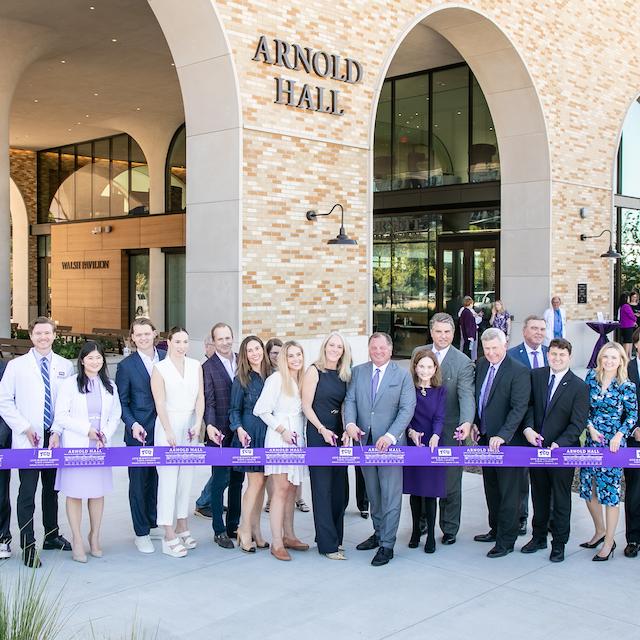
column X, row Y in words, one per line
column 323, row 392
column 613, row 414
column 279, row 407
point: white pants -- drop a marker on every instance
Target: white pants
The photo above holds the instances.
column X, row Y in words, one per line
column 174, row 483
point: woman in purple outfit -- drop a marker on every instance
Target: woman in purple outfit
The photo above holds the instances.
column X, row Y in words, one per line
column 468, row 326
column 87, row 415
column 425, row 484
column 627, row 323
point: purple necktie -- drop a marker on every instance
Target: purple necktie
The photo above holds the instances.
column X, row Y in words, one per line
column 536, row 364
column 374, row 385
column 485, row 397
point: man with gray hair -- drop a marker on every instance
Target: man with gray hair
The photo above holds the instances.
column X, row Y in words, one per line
column 503, row 387
column 457, row 378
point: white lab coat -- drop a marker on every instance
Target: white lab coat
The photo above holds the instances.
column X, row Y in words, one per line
column 548, row 318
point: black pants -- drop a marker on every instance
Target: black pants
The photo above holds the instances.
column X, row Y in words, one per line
column 502, row 492
column 423, row 507
column 143, row 498
column 26, row 502
column 551, row 495
column 632, row 504
column 224, row 477
column 328, row 490
column 524, row 496
column 5, row 506
column 361, row 491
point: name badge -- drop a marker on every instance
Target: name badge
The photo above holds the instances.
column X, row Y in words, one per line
column 61, row 374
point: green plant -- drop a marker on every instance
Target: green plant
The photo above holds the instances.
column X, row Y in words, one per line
column 69, row 350
column 28, row 610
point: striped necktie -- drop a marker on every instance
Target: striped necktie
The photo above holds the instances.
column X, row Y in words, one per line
column 48, row 407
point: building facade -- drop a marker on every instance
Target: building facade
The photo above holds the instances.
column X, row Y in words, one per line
column 284, row 108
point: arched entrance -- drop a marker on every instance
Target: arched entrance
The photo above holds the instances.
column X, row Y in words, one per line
column 525, row 180
column 214, row 159
column 19, row 256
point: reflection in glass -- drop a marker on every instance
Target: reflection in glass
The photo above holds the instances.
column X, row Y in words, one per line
column 484, row 160
column 175, row 285
column 630, row 249
column 382, row 141
column 484, row 279
column 176, row 174
column 629, row 155
column 450, row 126
column 411, row 133
column 138, row 285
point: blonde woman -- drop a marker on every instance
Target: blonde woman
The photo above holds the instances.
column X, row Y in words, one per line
column 279, row 407
column 613, row 414
column 323, row 392
column 178, row 392
column 500, row 318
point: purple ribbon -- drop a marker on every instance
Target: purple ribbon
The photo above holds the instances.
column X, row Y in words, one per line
column 364, row 455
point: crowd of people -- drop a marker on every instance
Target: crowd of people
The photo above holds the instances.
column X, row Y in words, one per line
column 267, row 396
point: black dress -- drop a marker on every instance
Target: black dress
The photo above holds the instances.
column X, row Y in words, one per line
column 328, row 484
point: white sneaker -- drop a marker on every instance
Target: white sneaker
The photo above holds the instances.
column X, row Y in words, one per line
column 144, row 544
column 157, row 533
column 5, row 550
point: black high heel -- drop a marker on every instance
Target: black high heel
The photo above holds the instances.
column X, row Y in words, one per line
column 592, row 545
column 598, row 558
column 414, row 541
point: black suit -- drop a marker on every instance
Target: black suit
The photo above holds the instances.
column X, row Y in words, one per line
column 562, row 422
column 5, row 477
column 632, row 476
column 502, row 416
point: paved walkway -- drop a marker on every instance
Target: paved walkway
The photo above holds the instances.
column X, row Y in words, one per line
column 455, row 593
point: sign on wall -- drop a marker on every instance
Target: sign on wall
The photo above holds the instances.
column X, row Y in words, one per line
column 321, row 64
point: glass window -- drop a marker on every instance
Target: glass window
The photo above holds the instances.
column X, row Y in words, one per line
column 411, row 133
column 138, row 285
column 176, row 173
column 175, row 285
column 449, row 126
column 382, row 141
column 44, row 276
column 94, row 179
column 630, row 249
column 484, row 161
column 629, row 155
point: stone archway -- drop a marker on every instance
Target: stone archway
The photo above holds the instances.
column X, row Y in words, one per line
column 209, row 86
column 525, row 192
column 19, row 256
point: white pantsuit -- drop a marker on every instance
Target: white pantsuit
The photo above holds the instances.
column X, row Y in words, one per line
column 174, row 483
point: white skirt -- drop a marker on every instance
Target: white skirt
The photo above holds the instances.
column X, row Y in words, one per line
column 273, row 440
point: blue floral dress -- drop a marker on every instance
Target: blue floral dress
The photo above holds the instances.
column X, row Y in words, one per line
column 613, row 410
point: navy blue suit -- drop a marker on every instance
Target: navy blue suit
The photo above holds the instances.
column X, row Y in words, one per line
column 134, row 388
column 5, row 477
column 520, row 354
column 217, row 402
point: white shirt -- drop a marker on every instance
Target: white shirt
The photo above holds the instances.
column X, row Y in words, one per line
column 39, row 356
column 229, row 365
column 149, row 362
column 483, row 389
column 557, row 381
column 383, row 368
column 539, row 353
column 440, row 354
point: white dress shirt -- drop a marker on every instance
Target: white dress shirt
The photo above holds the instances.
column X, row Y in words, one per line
column 149, row 362
column 539, row 353
column 557, row 381
column 440, row 354
column 230, row 365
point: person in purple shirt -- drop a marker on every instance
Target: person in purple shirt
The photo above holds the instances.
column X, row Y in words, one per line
column 468, row 326
column 425, row 484
column 627, row 322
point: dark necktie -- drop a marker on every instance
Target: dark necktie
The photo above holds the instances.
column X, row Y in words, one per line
column 485, row 398
column 48, row 407
column 374, row 385
column 552, row 381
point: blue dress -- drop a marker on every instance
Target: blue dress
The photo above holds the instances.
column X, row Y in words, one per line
column 613, row 410
column 241, row 404
column 428, row 418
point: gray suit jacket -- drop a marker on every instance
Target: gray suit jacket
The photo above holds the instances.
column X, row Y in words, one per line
column 394, row 405
column 458, row 375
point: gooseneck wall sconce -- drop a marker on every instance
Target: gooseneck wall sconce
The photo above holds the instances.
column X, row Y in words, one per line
column 610, row 254
column 342, row 237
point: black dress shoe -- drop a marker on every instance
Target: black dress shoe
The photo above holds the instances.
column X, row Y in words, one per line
column 522, row 531
column 223, row 541
column 631, row 550
column 534, row 545
column 59, row 542
column 485, row 537
column 557, row 552
column 430, row 544
column 30, row 558
column 414, row 541
column 382, row 557
column 499, row 552
column 371, row 542
column 448, row 538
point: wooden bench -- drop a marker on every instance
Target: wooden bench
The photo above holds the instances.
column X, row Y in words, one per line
column 115, row 336
column 12, row 347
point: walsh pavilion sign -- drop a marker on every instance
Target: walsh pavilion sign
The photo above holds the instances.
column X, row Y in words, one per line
column 318, row 63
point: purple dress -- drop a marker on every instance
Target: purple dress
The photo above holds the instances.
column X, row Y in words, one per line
column 428, row 418
column 87, row 483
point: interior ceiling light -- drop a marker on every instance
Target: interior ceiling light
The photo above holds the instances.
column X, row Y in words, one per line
column 86, row 115
column 114, row 39
column 36, row 100
column 138, row 108
column 63, row 61
column 95, row 94
column 92, row 8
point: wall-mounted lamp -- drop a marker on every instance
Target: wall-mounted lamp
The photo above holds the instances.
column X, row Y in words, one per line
column 610, row 254
column 342, row 237
column 107, row 229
